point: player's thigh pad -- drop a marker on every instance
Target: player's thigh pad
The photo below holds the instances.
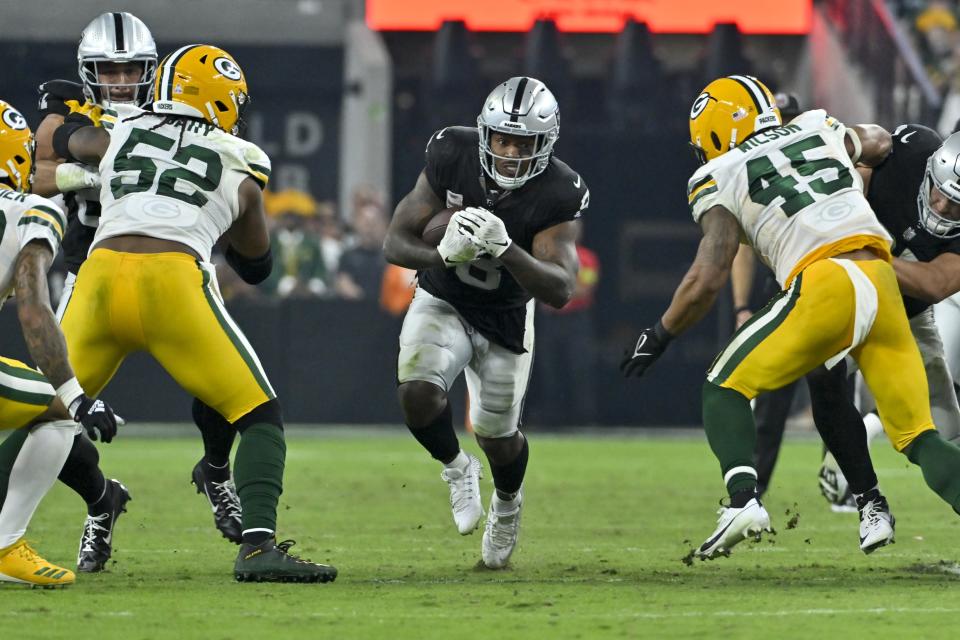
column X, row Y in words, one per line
column 800, row 328
column 497, row 380
column 188, row 330
column 947, row 315
column 24, row 393
column 434, row 343
column 891, row 363
column 943, row 396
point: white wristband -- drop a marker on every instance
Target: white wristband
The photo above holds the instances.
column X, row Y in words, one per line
column 69, row 392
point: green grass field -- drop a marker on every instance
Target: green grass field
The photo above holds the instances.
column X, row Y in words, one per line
column 606, row 524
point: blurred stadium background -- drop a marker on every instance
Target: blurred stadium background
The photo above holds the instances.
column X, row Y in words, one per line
column 346, row 93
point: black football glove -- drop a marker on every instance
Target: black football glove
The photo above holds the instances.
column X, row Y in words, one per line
column 55, row 94
column 95, row 416
column 649, row 346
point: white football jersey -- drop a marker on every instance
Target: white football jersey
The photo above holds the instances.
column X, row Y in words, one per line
column 25, row 217
column 175, row 180
column 793, row 190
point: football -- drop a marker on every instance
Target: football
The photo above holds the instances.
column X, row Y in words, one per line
column 437, row 226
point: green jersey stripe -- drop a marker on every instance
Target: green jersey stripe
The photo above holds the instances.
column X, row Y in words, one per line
column 703, row 193
column 54, row 212
column 752, row 333
column 23, row 373
column 239, row 342
column 25, row 220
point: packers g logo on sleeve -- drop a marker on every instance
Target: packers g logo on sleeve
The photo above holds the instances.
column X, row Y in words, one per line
column 228, row 68
column 13, row 119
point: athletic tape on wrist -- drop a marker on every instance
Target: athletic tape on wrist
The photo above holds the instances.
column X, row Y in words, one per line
column 69, row 392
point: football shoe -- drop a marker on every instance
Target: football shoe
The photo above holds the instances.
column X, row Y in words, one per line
column 271, row 561
column 876, row 522
column 734, row 526
column 96, row 543
column 501, row 531
column 223, row 499
column 465, row 494
column 20, row 564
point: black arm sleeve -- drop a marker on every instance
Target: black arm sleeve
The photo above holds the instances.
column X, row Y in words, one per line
column 61, row 138
column 250, row 270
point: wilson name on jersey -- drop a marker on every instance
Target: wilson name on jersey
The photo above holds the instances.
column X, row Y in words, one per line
column 793, row 189
column 24, row 218
column 174, row 178
column 483, row 292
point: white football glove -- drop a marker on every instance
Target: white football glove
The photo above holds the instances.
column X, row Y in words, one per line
column 72, row 176
column 457, row 246
column 486, row 229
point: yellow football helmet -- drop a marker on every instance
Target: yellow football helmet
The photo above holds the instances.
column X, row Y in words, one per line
column 202, row 81
column 16, row 148
column 727, row 112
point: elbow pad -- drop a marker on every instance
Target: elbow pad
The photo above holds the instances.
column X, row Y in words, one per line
column 250, row 270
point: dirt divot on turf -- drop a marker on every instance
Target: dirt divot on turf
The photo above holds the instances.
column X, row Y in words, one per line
column 944, row 567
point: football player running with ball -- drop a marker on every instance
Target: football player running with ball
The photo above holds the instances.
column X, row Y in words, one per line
column 43, row 406
column 793, row 193
column 473, row 308
column 174, row 180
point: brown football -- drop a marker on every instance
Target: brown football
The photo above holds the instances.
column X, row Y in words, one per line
column 437, row 227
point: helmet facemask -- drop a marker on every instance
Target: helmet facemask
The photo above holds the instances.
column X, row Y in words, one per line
column 527, row 167
column 936, row 224
column 99, row 92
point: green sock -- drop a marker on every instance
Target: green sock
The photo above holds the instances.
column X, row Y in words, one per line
column 728, row 421
column 258, row 474
column 939, row 461
column 9, row 450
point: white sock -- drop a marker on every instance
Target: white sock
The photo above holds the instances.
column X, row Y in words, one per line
column 460, row 462
column 34, row 471
column 874, row 427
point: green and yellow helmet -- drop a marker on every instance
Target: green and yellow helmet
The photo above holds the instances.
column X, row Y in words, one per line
column 16, row 148
column 202, row 81
column 727, row 112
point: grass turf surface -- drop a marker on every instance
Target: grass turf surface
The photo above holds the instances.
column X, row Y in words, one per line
column 606, row 523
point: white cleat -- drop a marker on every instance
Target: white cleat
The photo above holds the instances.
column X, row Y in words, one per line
column 734, row 526
column 876, row 522
column 501, row 532
column 465, row 495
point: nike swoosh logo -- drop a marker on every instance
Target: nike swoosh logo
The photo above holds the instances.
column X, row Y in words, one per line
column 576, row 182
column 904, row 140
column 440, row 135
column 499, row 244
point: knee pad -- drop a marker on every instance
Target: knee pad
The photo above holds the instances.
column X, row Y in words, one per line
column 269, row 413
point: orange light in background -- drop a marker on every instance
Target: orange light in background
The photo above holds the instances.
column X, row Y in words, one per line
column 662, row 16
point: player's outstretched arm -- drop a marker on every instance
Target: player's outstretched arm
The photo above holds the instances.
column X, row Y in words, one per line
column 403, row 245
column 929, row 281
column 741, row 282
column 868, row 144
column 37, row 320
column 708, row 274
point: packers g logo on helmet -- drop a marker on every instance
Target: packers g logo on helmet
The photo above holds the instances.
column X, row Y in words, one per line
column 16, row 148
column 202, row 81
column 727, row 112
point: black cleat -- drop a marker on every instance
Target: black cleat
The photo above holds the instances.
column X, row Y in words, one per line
column 224, row 501
column 271, row 561
column 96, row 544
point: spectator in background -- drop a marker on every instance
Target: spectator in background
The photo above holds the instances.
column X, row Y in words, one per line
column 362, row 266
column 566, row 355
column 328, row 230
column 299, row 269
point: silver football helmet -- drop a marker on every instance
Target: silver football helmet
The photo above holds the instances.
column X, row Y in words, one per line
column 943, row 172
column 521, row 106
column 112, row 38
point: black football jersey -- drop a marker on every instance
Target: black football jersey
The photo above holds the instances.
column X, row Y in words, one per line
column 893, row 193
column 83, row 213
column 483, row 292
